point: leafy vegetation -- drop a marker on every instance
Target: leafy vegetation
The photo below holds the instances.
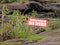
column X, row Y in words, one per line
column 53, row 24
column 5, row 43
column 17, row 27
column 21, row 29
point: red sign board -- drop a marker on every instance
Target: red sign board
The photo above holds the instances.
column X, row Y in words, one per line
column 37, row 22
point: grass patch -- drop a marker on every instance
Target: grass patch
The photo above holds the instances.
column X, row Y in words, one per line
column 57, row 30
column 28, row 34
column 5, row 43
column 53, row 24
column 47, row 28
column 36, row 37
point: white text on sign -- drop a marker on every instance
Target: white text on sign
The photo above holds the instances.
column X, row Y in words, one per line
column 37, row 22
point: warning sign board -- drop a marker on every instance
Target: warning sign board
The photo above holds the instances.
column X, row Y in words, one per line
column 37, row 22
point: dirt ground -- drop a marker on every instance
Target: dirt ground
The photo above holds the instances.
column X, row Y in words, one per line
column 53, row 38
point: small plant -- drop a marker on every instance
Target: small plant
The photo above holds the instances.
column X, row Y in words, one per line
column 21, row 29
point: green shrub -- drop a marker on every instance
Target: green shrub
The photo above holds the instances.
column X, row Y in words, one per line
column 21, row 29
column 18, row 27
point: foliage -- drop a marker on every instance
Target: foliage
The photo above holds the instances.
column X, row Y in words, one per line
column 21, row 29
column 53, row 24
column 17, row 27
column 5, row 43
column 6, row 11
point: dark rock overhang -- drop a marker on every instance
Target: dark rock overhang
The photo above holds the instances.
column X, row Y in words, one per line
column 30, row 5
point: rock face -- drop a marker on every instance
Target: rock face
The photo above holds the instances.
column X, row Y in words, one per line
column 53, row 38
column 42, row 8
column 43, row 1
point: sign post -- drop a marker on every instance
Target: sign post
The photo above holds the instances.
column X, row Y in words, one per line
column 37, row 22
